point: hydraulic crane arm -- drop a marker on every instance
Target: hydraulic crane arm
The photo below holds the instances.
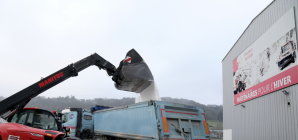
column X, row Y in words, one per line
column 19, row 100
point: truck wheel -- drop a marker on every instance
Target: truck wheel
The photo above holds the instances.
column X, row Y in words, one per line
column 86, row 134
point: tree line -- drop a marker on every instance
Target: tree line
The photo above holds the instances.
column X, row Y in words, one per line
column 213, row 112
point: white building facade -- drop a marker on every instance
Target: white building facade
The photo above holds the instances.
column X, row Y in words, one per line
column 260, row 76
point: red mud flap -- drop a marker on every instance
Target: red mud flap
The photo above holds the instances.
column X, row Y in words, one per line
column 133, row 74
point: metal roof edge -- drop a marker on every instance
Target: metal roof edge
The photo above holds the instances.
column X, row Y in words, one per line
column 247, row 28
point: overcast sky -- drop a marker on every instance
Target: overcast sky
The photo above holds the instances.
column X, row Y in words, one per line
column 182, row 41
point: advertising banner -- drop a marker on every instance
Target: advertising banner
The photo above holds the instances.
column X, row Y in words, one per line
column 269, row 64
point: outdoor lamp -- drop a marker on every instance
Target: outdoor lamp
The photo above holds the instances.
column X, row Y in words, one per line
column 285, row 92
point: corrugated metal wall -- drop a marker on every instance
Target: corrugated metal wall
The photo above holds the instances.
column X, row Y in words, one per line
column 267, row 117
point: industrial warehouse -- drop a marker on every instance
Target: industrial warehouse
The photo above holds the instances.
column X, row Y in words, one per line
column 260, row 76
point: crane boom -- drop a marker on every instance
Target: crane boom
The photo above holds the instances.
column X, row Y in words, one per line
column 19, row 100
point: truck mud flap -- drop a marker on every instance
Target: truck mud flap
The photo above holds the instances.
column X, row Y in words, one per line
column 133, row 74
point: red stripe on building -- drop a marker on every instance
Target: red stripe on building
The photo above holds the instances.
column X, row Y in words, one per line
column 235, row 65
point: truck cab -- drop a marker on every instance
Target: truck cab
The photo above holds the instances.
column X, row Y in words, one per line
column 36, row 118
column 79, row 121
column 32, row 123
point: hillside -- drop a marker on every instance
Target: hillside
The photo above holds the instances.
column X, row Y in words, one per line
column 213, row 112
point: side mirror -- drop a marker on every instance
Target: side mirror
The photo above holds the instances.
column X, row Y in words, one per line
column 60, row 115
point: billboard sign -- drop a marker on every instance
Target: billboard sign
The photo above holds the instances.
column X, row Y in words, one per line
column 269, row 64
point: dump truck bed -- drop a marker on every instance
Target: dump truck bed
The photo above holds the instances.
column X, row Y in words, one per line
column 153, row 120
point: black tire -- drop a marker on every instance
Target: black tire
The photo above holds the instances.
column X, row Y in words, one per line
column 86, row 134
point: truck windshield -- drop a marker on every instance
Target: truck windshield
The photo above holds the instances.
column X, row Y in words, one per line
column 65, row 117
column 35, row 118
column 286, row 48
